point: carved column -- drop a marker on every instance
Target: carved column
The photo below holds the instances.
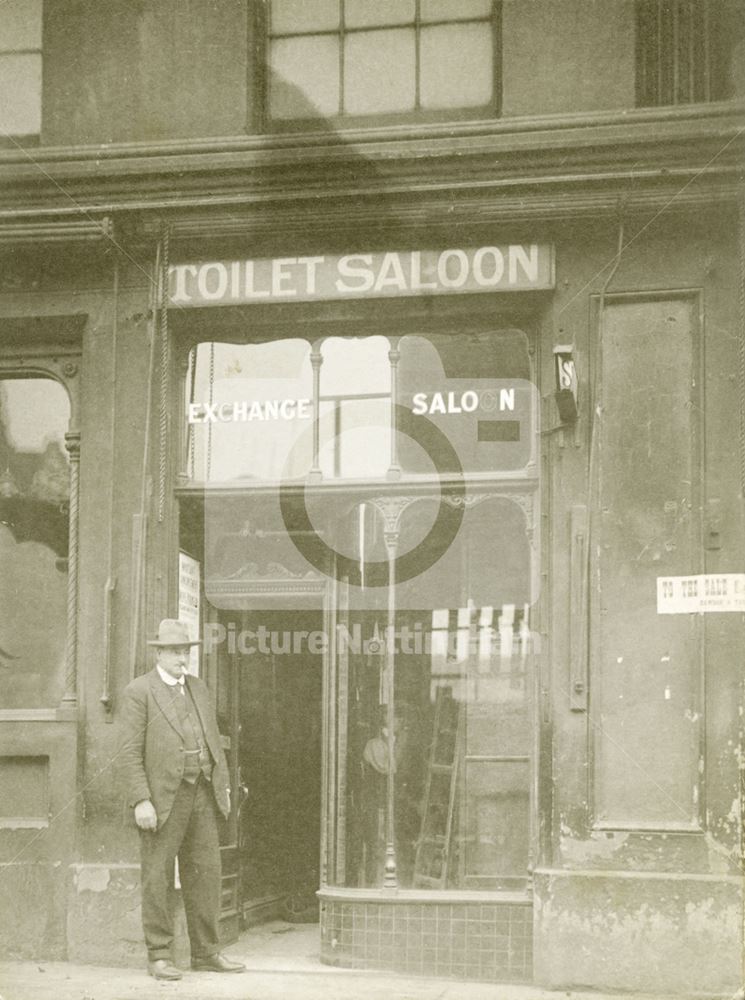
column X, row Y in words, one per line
column 69, row 699
column 391, row 508
column 394, row 356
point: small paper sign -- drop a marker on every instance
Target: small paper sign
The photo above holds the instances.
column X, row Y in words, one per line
column 701, row 593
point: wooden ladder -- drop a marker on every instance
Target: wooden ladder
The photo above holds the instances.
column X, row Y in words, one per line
column 435, row 843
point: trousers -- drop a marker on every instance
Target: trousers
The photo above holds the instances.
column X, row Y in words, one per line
column 191, row 834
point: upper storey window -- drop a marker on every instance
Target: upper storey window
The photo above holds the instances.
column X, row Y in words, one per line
column 406, row 60
column 20, row 69
column 683, row 52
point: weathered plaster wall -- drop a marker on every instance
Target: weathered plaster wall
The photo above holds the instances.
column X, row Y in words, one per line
column 125, row 71
column 675, row 252
column 86, row 813
column 572, row 56
column 669, row 934
column 104, row 917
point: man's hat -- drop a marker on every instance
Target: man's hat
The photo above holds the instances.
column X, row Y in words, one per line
column 172, row 632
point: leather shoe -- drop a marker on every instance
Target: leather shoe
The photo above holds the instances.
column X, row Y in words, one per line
column 161, row 968
column 216, row 963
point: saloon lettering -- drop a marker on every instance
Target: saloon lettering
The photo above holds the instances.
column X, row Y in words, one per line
column 462, row 402
column 512, row 267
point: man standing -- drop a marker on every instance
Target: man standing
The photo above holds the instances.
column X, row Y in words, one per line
column 176, row 779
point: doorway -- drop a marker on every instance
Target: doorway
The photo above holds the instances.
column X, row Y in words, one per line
column 278, row 750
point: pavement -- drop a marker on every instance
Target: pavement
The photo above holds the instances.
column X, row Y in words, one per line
column 283, row 964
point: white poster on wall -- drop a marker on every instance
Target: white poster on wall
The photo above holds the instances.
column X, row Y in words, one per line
column 681, row 595
column 189, row 575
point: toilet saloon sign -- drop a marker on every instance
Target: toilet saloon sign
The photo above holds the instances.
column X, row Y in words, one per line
column 390, row 274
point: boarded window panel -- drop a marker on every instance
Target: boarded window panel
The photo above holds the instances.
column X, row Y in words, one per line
column 379, row 71
column 24, row 792
column 363, row 14
column 457, row 69
column 292, row 16
column 20, row 94
column 304, row 77
column 646, row 716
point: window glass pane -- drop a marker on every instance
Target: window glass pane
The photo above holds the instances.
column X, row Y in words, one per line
column 456, row 66
column 476, row 389
column 249, row 407
column 291, row 16
column 357, row 438
column 20, row 94
column 355, row 366
column 249, row 410
column 496, row 825
column 304, row 77
column 379, row 71
column 365, row 442
column 461, row 738
column 364, row 14
column 35, row 413
column 20, row 25
column 454, row 10
column 34, row 517
column 327, row 445
column 261, row 394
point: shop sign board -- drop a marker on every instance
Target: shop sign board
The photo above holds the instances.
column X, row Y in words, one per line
column 189, row 574
column 390, row 274
column 704, row 592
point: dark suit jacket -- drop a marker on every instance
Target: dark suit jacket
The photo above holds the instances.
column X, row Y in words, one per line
column 151, row 755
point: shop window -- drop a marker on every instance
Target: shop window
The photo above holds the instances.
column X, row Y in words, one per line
column 251, row 408
column 20, row 69
column 262, row 395
column 461, row 695
column 34, row 536
column 346, row 60
column 263, row 398
column 355, row 411
column 683, row 52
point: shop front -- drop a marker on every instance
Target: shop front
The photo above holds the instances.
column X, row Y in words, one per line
column 459, row 525
column 359, row 500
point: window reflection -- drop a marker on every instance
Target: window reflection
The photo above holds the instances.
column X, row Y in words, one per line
column 250, row 410
column 355, row 395
column 261, row 396
column 34, row 526
column 460, row 749
column 362, row 57
column 251, row 407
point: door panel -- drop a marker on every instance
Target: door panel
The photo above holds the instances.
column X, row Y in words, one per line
column 646, row 707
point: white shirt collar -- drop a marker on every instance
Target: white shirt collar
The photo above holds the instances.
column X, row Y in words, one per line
column 170, row 681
